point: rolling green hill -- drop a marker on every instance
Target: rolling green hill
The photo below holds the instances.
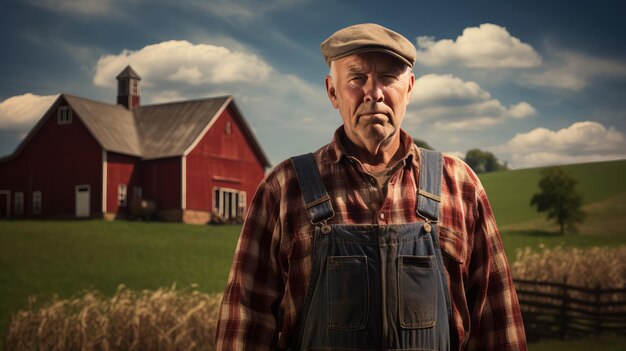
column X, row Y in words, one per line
column 510, row 191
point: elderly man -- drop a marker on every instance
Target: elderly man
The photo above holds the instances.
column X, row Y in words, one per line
column 370, row 243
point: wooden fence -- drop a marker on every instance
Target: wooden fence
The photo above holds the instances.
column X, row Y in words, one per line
column 561, row 311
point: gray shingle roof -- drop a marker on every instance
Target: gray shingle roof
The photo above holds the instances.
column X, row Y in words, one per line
column 156, row 131
column 170, row 129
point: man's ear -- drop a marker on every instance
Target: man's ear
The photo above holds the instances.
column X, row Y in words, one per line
column 330, row 90
column 410, row 89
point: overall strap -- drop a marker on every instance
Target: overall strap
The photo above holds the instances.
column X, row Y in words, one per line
column 316, row 198
column 429, row 184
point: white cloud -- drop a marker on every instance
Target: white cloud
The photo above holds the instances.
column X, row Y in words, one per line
column 580, row 142
column 187, row 74
column 451, row 103
column 23, row 111
column 486, row 46
column 180, row 60
column 573, row 71
column 521, row 110
column 166, row 96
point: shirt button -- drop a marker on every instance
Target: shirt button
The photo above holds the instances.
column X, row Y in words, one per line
column 382, row 216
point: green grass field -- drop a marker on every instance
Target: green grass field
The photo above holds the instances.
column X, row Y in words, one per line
column 43, row 258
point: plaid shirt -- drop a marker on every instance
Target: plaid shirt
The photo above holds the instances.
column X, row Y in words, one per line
column 272, row 263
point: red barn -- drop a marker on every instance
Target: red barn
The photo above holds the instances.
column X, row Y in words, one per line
column 88, row 159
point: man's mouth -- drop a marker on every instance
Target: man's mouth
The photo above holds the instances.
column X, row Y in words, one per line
column 375, row 117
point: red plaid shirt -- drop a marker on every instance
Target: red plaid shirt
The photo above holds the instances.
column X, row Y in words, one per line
column 272, row 264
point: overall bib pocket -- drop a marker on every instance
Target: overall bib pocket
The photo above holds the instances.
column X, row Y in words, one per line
column 417, row 291
column 348, row 292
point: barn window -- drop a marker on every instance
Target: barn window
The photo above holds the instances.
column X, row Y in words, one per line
column 37, row 202
column 229, row 203
column 64, row 115
column 135, row 87
column 19, row 203
column 228, row 128
column 121, row 195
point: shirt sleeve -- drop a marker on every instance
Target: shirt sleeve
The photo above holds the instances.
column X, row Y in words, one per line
column 496, row 319
column 248, row 314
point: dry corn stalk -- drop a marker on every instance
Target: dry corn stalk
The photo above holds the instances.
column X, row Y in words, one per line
column 165, row 319
column 596, row 267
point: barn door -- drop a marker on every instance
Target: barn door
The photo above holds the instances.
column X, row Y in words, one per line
column 83, row 201
column 229, row 203
column 5, row 204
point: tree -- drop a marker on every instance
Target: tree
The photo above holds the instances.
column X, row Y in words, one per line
column 423, row 144
column 559, row 198
column 483, row 161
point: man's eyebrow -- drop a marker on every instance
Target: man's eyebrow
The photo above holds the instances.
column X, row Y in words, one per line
column 395, row 69
column 354, row 68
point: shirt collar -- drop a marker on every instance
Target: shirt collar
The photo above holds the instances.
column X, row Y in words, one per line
column 336, row 149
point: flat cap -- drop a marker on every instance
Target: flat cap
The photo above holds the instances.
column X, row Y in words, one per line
column 368, row 37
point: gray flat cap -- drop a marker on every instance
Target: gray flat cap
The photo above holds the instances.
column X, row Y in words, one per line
column 368, row 37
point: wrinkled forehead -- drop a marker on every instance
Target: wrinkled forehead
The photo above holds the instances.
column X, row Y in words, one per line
column 369, row 61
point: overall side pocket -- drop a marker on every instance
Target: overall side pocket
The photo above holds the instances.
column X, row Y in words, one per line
column 348, row 292
column 417, row 291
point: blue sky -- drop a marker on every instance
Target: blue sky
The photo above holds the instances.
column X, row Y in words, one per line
column 535, row 82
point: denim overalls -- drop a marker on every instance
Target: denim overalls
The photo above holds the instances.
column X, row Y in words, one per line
column 374, row 287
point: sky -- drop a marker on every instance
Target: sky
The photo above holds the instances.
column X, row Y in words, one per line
column 535, row 82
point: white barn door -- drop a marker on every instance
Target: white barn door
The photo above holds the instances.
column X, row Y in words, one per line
column 83, row 201
column 229, row 203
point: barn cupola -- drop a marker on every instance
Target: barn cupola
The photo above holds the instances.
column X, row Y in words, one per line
column 128, row 92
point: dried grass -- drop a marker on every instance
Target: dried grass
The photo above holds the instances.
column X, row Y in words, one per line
column 586, row 295
column 596, row 267
column 165, row 319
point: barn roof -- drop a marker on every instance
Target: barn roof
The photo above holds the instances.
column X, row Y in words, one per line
column 151, row 131
column 112, row 125
column 169, row 129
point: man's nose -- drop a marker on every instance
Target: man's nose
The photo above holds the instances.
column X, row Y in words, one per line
column 373, row 90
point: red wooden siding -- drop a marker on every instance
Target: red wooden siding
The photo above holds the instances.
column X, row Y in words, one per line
column 222, row 160
column 161, row 181
column 121, row 169
column 54, row 161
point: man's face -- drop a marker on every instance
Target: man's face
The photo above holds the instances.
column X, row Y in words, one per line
column 371, row 91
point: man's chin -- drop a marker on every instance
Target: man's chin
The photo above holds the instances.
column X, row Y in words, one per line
column 378, row 134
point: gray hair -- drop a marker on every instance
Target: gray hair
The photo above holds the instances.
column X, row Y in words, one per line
column 332, row 73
